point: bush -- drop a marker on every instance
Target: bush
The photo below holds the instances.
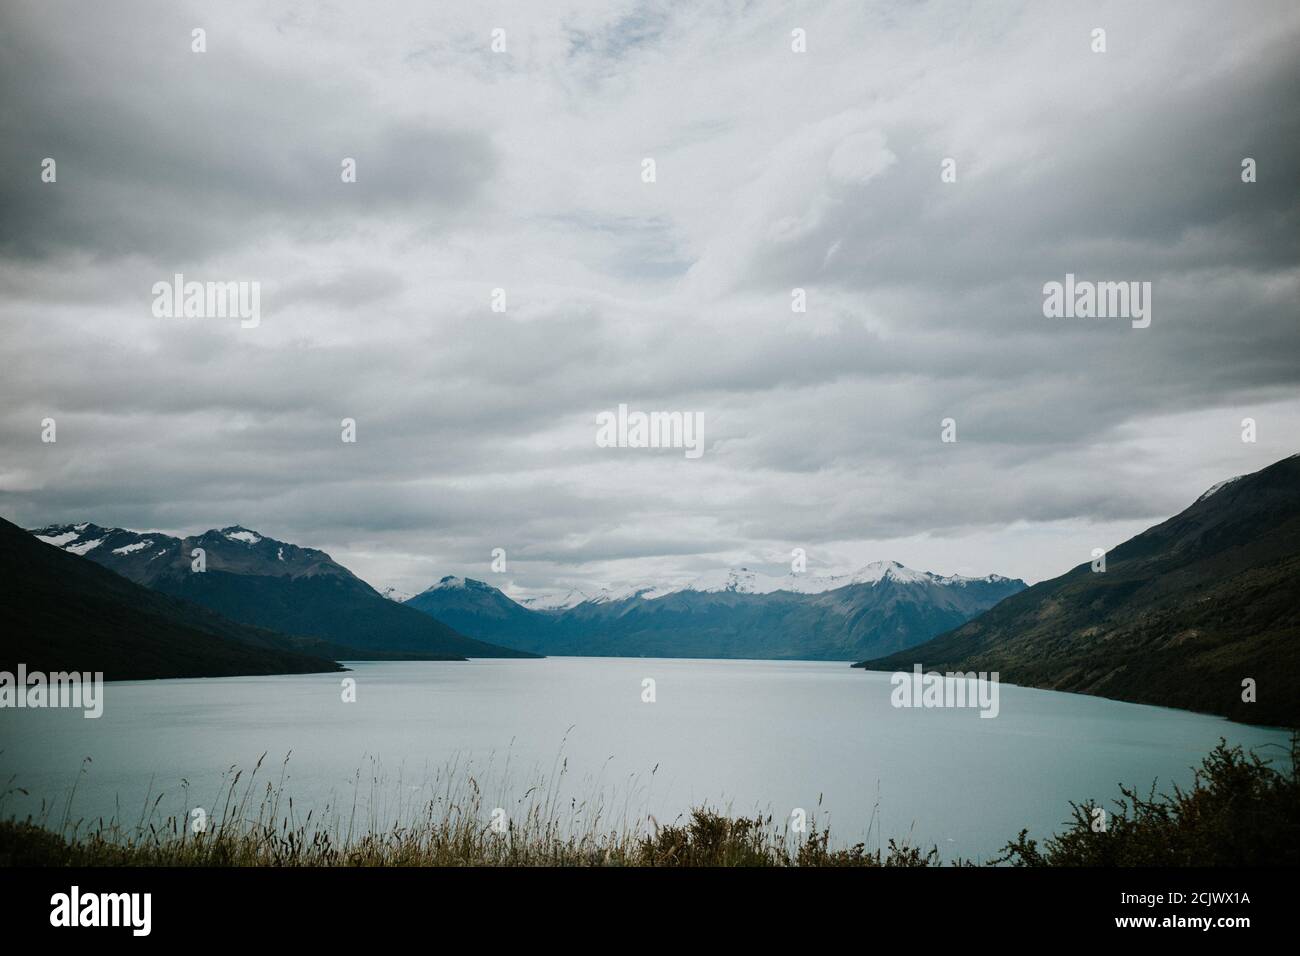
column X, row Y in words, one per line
column 1239, row 812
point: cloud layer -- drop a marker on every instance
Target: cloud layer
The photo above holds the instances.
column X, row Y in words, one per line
column 522, row 170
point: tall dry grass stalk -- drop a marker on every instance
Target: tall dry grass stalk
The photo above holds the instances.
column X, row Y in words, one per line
column 446, row 820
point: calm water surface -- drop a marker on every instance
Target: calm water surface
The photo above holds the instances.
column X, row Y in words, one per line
column 752, row 736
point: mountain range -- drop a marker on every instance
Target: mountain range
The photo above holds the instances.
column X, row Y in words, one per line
column 65, row 614
column 1185, row 614
column 1201, row 611
column 256, row 580
column 733, row 613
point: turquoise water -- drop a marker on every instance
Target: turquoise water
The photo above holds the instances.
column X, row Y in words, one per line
column 752, row 736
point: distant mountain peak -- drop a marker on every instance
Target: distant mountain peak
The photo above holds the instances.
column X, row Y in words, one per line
column 878, row 571
column 452, row 582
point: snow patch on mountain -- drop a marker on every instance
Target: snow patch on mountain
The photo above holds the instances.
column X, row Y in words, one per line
column 878, row 571
column 745, row 580
column 961, row 581
column 60, row 539
column 448, row 583
column 565, row 600
column 1215, row 489
column 736, row 581
column 560, row 601
column 138, row 546
column 84, row 546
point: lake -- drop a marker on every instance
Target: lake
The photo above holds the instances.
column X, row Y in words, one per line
column 750, row 736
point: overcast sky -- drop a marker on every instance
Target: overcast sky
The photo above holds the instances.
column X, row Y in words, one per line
column 522, row 170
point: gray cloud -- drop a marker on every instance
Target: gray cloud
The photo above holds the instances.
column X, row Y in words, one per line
column 178, row 155
column 521, row 171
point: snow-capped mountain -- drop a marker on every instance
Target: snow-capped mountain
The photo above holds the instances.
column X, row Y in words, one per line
column 147, row 556
column 254, row 579
column 565, row 600
column 734, row 612
column 746, row 581
column 559, row 601
column 481, row 605
column 64, row 613
column 396, row 594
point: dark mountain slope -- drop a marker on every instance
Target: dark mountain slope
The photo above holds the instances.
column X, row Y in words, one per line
column 479, row 609
column 1182, row 615
column 59, row 612
column 273, row 584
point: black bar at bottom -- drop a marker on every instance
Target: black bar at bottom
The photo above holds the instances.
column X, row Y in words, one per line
column 309, row 905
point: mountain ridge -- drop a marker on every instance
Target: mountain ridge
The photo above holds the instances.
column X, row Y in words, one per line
column 1183, row 614
column 731, row 613
column 262, row 581
column 63, row 613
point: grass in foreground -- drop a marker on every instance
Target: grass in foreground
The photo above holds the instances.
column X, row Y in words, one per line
column 1240, row 811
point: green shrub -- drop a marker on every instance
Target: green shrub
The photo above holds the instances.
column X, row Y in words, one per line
column 1240, row 811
